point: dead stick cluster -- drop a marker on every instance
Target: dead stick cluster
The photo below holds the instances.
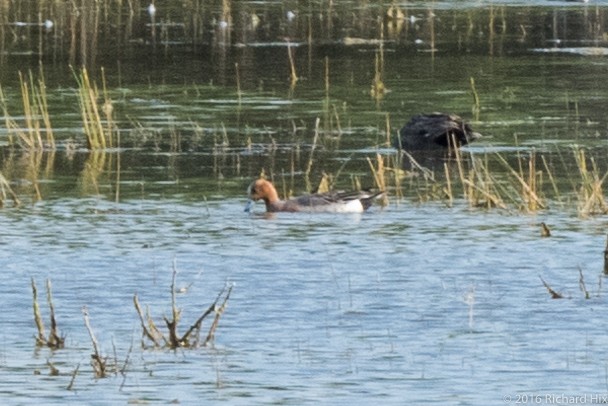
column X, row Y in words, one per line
column 172, row 339
column 190, row 338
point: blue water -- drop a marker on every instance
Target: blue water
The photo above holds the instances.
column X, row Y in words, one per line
column 414, row 303
column 406, row 304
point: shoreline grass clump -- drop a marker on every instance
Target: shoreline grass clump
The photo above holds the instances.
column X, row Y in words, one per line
column 172, row 339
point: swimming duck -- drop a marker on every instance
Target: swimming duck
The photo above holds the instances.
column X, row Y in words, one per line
column 331, row 202
column 435, row 131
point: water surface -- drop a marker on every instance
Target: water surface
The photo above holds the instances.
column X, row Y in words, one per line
column 422, row 301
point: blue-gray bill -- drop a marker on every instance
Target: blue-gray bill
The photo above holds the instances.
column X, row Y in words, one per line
column 249, row 205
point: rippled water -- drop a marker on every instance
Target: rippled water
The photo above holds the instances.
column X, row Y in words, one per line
column 413, row 303
column 416, row 304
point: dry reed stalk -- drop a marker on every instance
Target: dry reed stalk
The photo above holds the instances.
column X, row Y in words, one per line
column 449, row 193
column 476, row 108
column 378, row 88
column 54, row 340
column 292, row 66
column 481, row 187
column 551, row 179
column 461, row 173
column 174, row 341
column 238, row 82
column 152, row 334
column 326, row 64
column 590, row 194
column 310, row 159
column 379, row 176
column 218, row 313
column 581, row 284
column 88, row 96
column 40, row 338
column 73, row 379
column 98, row 362
column 529, row 194
column 337, row 117
column 44, row 111
column 108, row 110
column 33, row 139
column 35, row 113
column 324, row 184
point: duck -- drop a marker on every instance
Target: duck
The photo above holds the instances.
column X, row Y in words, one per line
column 330, row 202
column 435, row 131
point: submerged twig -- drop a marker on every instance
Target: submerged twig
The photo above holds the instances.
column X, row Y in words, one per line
column 581, row 284
column 545, row 231
column 554, row 294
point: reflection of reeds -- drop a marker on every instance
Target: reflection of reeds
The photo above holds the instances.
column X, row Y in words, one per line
column 94, row 167
column 7, row 192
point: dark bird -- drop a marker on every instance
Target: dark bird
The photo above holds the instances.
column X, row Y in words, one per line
column 435, row 131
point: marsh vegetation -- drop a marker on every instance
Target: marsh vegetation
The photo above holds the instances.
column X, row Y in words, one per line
column 129, row 133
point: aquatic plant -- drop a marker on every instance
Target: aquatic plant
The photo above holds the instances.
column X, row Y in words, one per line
column 476, row 107
column 36, row 132
column 481, row 186
column 529, row 192
column 379, row 171
column 378, row 88
column 590, row 192
column 35, row 109
column 98, row 136
column 172, row 338
column 293, row 76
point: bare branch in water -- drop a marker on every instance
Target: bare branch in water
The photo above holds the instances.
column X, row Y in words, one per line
column 554, row 294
